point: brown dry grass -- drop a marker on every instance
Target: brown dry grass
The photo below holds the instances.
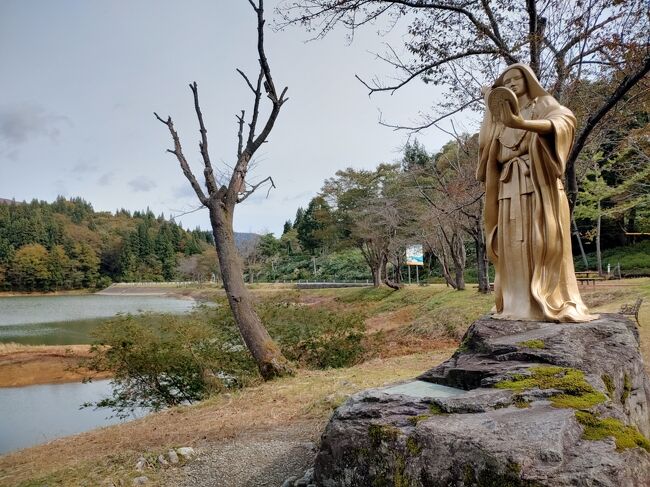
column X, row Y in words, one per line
column 23, row 365
column 390, row 320
column 89, row 458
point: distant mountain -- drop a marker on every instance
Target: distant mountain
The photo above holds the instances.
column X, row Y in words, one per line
column 5, row 201
column 243, row 240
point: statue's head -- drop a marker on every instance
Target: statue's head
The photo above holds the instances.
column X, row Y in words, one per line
column 515, row 80
column 521, row 80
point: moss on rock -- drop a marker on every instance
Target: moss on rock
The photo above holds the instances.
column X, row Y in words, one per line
column 569, row 381
column 582, row 401
column 533, row 344
column 413, row 446
column 627, row 388
column 416, row 419
column 379, row 433
column 609, row 385
column 600, row 428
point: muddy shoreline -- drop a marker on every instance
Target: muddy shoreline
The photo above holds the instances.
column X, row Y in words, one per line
column 27, row 365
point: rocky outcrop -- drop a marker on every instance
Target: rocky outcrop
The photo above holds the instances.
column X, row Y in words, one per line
column 519, row 404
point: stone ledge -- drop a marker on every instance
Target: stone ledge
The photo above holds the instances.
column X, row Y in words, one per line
column 501, row 436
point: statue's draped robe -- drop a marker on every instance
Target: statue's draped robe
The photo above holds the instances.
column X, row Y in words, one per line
column 527, row 219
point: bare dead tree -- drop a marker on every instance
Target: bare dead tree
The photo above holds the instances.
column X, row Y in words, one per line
column 464, row 44
column 221, row 199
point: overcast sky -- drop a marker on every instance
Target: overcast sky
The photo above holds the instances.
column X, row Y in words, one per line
column 81, row 79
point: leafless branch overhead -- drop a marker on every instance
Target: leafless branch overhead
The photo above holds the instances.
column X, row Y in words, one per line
column 242, row 196
column 178, row 152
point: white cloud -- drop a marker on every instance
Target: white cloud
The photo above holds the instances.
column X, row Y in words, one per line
column 23, row 122
column 106, row 179
column 142, row 184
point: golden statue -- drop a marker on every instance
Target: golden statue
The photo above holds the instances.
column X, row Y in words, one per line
column 525, row 139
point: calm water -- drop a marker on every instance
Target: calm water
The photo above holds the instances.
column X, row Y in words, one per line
column 420, row 388
column 65, row 320
column 36, row 414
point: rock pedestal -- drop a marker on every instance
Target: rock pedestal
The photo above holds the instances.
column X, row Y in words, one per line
column 519, row 404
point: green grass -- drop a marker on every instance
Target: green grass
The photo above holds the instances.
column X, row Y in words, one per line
column 532, row 344
column 634, row 259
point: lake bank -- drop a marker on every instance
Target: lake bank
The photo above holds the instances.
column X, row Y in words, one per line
column 43, row 337
column 92, row 457
column 68, row 292
column 26, row 365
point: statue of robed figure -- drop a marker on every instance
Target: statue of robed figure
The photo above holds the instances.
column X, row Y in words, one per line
column 525, row 139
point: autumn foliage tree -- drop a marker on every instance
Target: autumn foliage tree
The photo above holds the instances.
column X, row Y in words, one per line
column 221, row 198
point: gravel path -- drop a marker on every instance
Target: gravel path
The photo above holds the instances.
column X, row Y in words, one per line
column 260, row 459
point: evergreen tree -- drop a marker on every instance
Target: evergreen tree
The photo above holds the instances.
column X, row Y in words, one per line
column 60, row 268
column 300, row 213
column 415, row 156
column 287, row 227
column 317, row 227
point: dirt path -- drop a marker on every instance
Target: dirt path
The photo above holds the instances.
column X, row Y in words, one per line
column 264, row 458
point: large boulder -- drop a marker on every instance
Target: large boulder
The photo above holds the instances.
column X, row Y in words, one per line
column 519, row 404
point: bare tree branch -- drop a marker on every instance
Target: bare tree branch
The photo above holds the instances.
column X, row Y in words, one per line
column 237, row 180
column 178, row 152
column 422, row 70
column 248, row 82
column 240, row 133
column 432, row 122
column 253, row 187
column 624, row 86
column 256, row 108
column 203, row 145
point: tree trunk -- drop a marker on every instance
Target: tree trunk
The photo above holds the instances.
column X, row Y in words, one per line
column 460, row 279
column 598, row 255
column 376, row 276
column 582, row 249
column 391, row 284
column 270, row 361
column 631, row 222
column 482, row 266
column 458, row 255
column 482, row 263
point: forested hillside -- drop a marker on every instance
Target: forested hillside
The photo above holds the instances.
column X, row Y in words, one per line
column 67, row 245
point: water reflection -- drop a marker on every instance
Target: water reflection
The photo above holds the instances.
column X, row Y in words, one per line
column 36, row 414
column 66, row 320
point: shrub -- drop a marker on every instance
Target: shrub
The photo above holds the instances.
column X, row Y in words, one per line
column 311, row 337
column 164, row 360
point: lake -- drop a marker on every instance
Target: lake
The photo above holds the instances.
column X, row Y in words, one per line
column 37, row 414
column 67, row 320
